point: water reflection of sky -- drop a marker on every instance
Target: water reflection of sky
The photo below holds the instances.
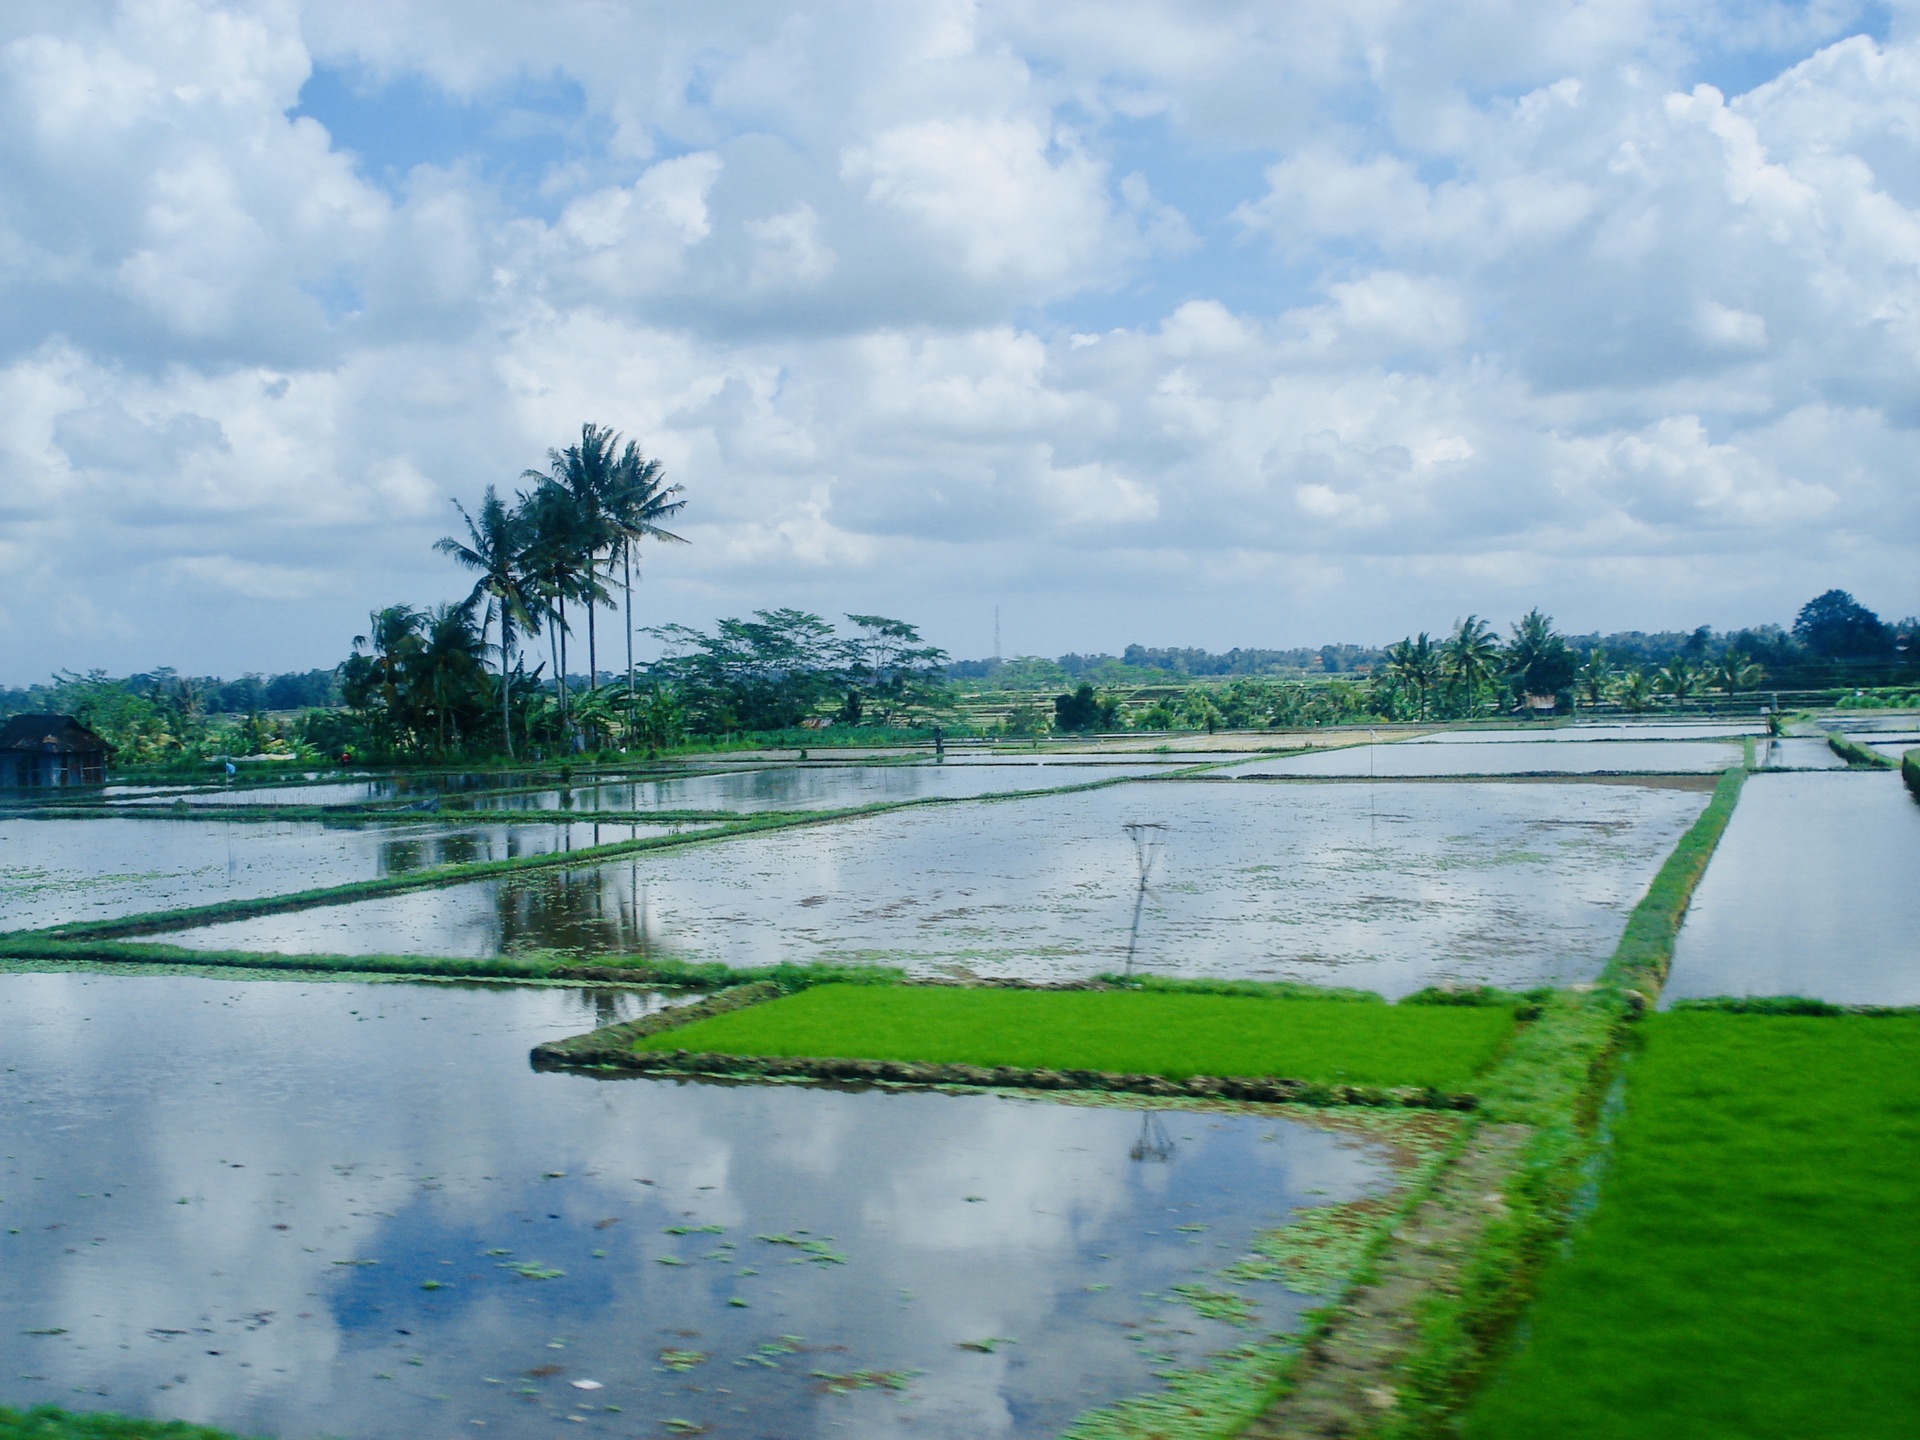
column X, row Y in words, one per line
column 816, row 787
column 189, row 1161
column 1814, row 890
column 1388, row 887
column 56, row 871
column 1409, row 759
column 1577, row 734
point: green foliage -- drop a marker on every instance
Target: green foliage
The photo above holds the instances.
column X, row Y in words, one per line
column 1082, row 711
column 1740, row 1276
column 46, row 1422
column 1886, row 698
column 1836, row 626
column 1128, row 1032
column 1910, row 772
column 1856, row 754
column 1538, row 658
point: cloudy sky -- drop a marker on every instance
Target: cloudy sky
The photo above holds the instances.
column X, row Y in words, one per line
column 1214, row 324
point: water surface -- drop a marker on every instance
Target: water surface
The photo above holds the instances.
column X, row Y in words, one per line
column 1409, row 759
column 1625, row 730
column 227, row 1202
column 56, row 871
column 1814, row 890
column 1388, row 887
column 818, row 787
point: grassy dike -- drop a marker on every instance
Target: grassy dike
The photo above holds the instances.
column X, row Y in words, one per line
column 1552, row 1080
column 45, row 1422
column 1856, row 755
column 1910, row 771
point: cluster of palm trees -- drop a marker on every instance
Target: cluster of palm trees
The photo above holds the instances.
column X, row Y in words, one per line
column 560, row 544
column 1472, row 670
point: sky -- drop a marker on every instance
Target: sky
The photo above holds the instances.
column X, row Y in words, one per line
column 1208, row 324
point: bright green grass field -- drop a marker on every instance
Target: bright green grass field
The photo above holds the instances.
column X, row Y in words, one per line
column 1753, row 1268
column 1137, row 1032
column 47, row 1423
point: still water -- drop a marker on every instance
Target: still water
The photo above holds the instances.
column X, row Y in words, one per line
column 315, row 790
column 1814, row 890
column 817, row 787
column 1796, row 752
column 1388, row 887
column 1627, row 730
column 303, row 1209
column 56, row 871
column 1411, row 759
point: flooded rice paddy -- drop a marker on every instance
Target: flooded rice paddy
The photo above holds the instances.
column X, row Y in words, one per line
column 1388, row 887
column 54, row 872
column 1414, row 759
column 343, row 1209
column 1628, row 730
column 820, row 787
column 1795, row 752
column 1814, row 890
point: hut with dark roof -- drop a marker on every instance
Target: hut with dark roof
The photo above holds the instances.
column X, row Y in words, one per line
column 42, row 750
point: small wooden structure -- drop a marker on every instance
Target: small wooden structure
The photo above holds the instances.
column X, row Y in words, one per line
column 44, row 750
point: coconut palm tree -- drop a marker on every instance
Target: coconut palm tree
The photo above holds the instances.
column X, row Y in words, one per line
column 1596, row 677
column 452, row 656
column 496, row 548
column 586, row 474
column 557, row 561
column 1635, row 689
column 636, row 503
column 1470, row 658
column 1735, row 673
column 1538, row 660
column 1415, row 664
column 1678, row 680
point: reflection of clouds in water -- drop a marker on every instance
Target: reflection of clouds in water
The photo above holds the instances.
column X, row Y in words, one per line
column 1390, row 887
column 414, row 1132
column 58, row 871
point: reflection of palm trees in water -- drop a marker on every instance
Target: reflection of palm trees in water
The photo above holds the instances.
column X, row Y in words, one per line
column 598, row 912
column 1154, row 1143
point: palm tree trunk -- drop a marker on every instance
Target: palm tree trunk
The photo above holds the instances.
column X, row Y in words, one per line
column 593, row 653
column 626, row 561
column 566, row 723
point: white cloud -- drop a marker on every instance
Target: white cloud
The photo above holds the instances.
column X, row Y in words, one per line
column 1243, row 325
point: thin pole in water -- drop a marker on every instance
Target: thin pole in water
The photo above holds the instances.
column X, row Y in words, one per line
column 1373, row 739
column 1147, row 837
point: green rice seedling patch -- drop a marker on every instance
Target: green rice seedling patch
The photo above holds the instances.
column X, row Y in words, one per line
column 1744, row 1273
column 1170, row 1033
column 45, row 1422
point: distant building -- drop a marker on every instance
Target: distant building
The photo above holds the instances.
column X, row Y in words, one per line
column 41, row 750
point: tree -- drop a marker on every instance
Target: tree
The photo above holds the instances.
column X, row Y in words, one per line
column 1413, row 665
column 392, row 639
column 1835, row 626
column 1596, row 677
column 1082, row 711
column 1735, row 673
column 636, row 503
column 496, row 549
column 1678, row 680
column 890, row 669
column 1636, row 690
column 584, row 474
column 451, row 662
column 1469, row 660
column 1539, row 661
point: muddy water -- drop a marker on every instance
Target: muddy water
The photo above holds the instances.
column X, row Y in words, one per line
column 817, row 787
column 56, row 871
column 1814, row 890
column 1388, row 887
column 298, row 1210
column 1409, row 759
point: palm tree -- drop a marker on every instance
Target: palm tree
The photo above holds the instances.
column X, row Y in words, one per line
column 1596, row 677
column 1678, row 680
column 1414, row 664
column 496, row 550
column 556, row 563
column 392, row 636
column 1635, row 689
column 451, row 655
column 1470, row 658
column 636, row 503
column 1735, row 673
column 586, row 474
column 1538, row 660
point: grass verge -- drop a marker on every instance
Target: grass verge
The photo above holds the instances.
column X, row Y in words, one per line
column 1741, row 1276
column 1857, row 755
column 1910, row 771
column 1169, row 1033
column 45, row 1422
column 1552, row 1079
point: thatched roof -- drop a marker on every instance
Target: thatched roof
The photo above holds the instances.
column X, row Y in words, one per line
column 51, row 735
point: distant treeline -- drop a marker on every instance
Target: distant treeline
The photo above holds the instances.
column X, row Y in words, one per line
column 206, row 694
